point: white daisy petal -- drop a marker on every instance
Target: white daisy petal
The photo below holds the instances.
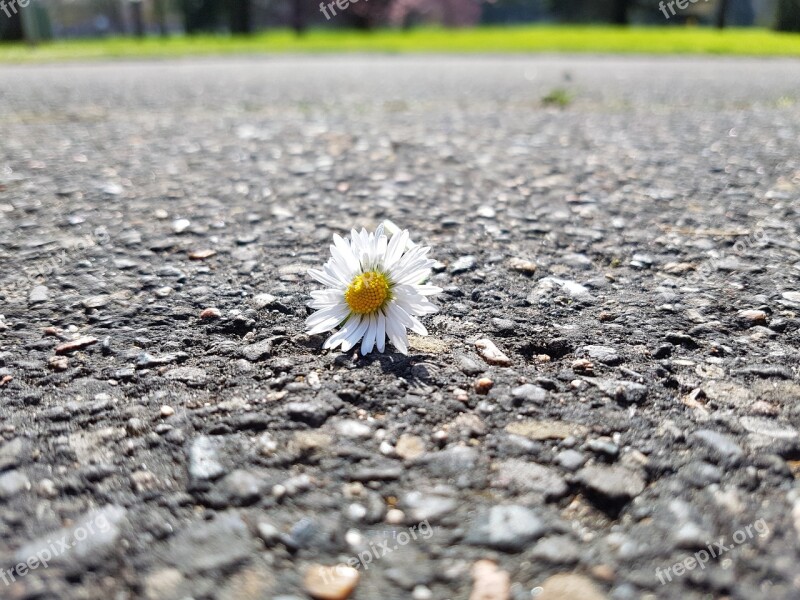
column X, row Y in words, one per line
column 396, row 313
column 397, row 335
column 417, row 309
column 428, row 290
column 382, row 244
column 395, row 250
column 323, row 278
column 325, row 298
column 369, row 337
column 380, row 334
column 327, row 319
column 337, row 272
column 413, row 277
column 355, row 243
column 346, row 251
column 326, row 325
column 346, row 264
column 339, row 336
column 417, row 326
column 355, row 335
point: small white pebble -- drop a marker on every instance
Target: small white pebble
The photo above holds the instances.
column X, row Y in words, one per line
column 421, row 593
column 440, row 436
column 353, row 490
column 181, row 225
column 266, row 445
column 278, row 490
column 395, row 516
column 354, row 538
column 167, row 411
column 46, row 488
column 386, row 448
column 356, row 511
column 312, row 379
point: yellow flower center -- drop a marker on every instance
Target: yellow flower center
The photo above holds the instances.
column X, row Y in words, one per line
column 367, row 292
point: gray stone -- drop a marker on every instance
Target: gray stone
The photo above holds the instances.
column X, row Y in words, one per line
column 613, row 483
column 96, row 301
column 146, row 361
column 700, row 474
column 626, row 392
column 258, row 351
column 530, row 477
column 509, row 528
column 463, row 264
column 721, row 446
column 504, row 326
column 559, row 549
column 14, row 453
column 603, row 446
column 351, row 428
column 204, row 546
column 313, row 413
column 468, row 366
column 767, row 372
column 451, row 462
column 603, row 354
column 12, row 483
column 238, row 488
column 203, row 461
column 571, row 460
column 529, row 393
column 550, row 285
column 268, row 533
column 427, row 507
column 769, row 428
column 263, row 300
column 38, row 295
column 193, row 376
column 386, row 472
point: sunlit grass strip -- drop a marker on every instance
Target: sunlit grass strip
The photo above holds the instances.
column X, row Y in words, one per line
column 488, row 40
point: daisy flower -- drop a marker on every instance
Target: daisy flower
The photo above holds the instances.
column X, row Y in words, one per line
column 373, row 290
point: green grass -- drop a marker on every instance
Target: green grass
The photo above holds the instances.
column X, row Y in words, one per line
column 641, row 40
column 557, row 97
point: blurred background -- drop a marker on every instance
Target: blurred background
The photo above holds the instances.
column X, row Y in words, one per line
column 41, row 20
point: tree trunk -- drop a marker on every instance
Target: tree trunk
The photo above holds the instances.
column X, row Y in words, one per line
column 240, row 15
column 788, row 15
column 11, row 28
column 136, row 18
column 160, row 11
column 298, row 17
column 722, row 9
column 620, row 16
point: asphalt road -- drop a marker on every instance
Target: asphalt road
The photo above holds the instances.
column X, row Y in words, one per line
column 625, row 230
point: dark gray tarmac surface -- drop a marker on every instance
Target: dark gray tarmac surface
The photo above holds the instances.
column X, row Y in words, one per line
column 635, row 255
